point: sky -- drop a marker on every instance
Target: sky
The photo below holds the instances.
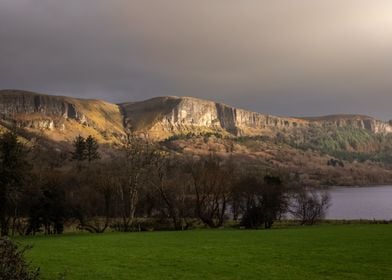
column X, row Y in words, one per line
column 283, row 57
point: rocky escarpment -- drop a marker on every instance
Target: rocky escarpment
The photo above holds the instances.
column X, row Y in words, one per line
column 357, row 121
column 159, row 117
column 38, row 111
column 166, row 116
column 58, row 113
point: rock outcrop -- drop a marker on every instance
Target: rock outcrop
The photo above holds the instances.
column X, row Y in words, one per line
column 59, row 113
column 165, row 116
column 357, row 121
column 160, row 117
column 175, row 115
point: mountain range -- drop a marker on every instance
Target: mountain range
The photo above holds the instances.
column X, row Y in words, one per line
column 327, row 150
column 63, row 117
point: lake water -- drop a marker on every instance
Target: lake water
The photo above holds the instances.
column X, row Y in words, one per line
column 361, row 203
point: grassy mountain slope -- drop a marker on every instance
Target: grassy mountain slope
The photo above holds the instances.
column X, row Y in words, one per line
column 340, row 149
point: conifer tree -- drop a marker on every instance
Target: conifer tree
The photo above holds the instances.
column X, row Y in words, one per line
column 79, row 152
column 92, row 149
column 13, row 171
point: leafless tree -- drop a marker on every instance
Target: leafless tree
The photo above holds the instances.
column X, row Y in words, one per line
column 96, row 207
column 211, row 189
column 309, row 206
column 173, row 188
column 140, row 154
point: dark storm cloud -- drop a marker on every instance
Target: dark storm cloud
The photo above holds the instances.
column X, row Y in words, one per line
column 286, row 57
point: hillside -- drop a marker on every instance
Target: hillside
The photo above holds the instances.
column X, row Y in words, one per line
column 61, row 118
column 186, row 125
column 160, row 117
column 168, row 116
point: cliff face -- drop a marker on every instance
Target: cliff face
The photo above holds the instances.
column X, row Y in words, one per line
column 356, row 121
column 166, row 116
column 159, row 117
column 175, row 115
column 13, row 103
column 70, row 116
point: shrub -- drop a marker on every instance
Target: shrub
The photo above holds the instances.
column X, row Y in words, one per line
column 13, row 265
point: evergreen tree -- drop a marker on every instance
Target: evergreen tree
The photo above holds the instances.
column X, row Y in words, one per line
column 13, row 172
column 92, row 149
column 79, row 152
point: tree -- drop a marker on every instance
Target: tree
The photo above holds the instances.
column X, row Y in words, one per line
column 309, row 206
column 91, row 149
column 48, row 208
column 274, row 199
column 245, row 195
column 140, row 155
column 94, row 199
column 84, row 149
column 79, row 152
column 173, row 189
column 211, row 189
column 261, row 201
column 14, row 170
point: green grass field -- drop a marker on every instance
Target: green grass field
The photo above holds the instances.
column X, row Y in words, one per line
column 320, row 252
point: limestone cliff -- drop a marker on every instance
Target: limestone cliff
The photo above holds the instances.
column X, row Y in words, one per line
column 357, row 121
column 63, row 117
column 52, row 114
column 165, row 116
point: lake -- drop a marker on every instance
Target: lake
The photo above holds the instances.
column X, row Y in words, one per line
column 361, row 203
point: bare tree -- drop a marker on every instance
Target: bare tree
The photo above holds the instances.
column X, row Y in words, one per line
column 211, row 189
column 96, row 198
column 140, row 154
column 309, row 206
column 173, row 188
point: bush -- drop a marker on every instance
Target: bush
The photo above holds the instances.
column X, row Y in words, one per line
column 13, row 265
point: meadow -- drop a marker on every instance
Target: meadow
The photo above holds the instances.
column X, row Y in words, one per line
column 318, row 252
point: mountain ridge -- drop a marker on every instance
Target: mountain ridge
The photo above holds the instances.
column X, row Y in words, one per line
column 159, row 117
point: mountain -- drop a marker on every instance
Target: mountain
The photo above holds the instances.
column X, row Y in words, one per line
column 167, row 116
column 329, row 150
column 61, row 118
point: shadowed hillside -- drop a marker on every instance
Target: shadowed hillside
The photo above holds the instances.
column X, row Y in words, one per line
column 340, row 149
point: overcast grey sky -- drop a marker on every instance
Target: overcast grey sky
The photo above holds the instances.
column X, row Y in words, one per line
column 286, row 57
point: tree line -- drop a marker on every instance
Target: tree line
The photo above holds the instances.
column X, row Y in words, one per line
column 142, row 188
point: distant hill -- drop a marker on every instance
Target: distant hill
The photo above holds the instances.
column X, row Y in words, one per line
column 329, row 150
column 61, row 118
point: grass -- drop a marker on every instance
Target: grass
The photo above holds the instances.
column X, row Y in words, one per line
column 320, row 252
